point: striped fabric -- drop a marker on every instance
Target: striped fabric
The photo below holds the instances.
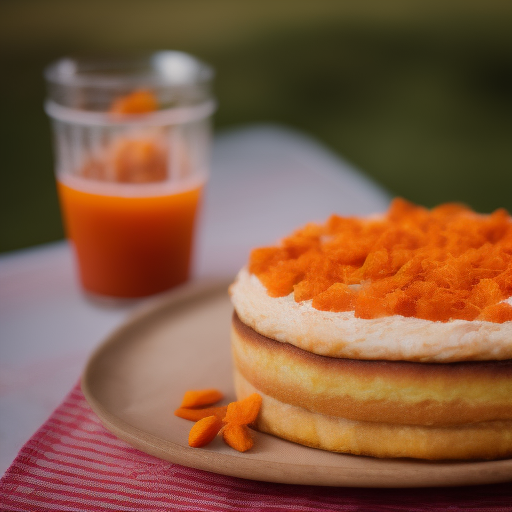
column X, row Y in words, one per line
column 73, row 464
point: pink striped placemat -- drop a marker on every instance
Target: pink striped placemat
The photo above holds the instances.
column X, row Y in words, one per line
column 72, row 463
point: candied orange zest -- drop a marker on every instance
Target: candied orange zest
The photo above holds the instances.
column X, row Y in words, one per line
column 198, row 414
column 237, row 414
column 140, row 101
column 440, row 264
column 244, row 411
column 204, row 431
column 238, row 437
column 201, row 397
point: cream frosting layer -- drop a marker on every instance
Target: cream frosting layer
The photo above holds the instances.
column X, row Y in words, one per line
column 394, row 338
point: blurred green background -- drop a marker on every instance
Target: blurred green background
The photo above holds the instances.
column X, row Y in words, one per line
column 416, row 94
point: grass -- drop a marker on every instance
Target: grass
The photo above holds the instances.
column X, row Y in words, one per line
column 418, row 95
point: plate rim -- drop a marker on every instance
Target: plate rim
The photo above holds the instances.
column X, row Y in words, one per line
column 227, row 464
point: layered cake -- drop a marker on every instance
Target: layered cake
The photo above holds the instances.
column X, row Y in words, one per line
column 388, row 336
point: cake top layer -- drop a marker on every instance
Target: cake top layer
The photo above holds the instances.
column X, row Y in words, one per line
column 444, row 264
column 341, row 334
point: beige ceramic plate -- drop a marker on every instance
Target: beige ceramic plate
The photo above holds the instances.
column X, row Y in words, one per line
column 137, row 378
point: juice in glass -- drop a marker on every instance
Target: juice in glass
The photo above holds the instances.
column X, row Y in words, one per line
column 132, row 138
column 129, row 244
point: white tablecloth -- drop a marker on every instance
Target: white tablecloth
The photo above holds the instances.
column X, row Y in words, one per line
column 265, row 182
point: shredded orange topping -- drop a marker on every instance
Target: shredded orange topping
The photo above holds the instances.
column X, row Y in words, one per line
column 140, row 159
column 231, row 421
column 131, row 159
column 140, row 101
column 440, row 264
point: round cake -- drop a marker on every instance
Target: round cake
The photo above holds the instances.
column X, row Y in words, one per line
column 388, row 336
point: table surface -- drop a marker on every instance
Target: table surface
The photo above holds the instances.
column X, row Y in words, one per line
column 265, row 181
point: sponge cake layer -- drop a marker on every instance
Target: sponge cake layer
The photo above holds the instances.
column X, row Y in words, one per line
column 487, row 440
column 395, row 392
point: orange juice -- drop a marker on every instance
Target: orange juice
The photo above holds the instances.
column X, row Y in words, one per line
column 130, row 244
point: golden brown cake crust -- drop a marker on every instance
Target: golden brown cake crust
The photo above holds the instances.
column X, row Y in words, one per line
column 394, row 392
column 487, row 440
